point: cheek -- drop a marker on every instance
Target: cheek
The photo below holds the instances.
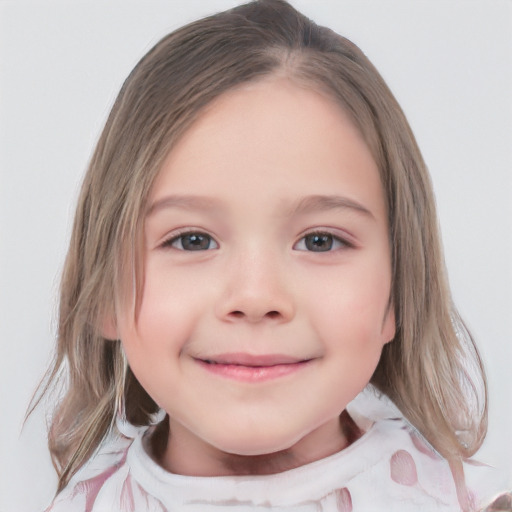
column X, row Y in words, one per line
column 170, row 306
column 354, row 307
column 162, row 326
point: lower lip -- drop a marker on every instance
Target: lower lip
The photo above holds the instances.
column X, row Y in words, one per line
column 252, row 373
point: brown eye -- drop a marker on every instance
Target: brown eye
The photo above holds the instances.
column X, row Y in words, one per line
column 193, row 242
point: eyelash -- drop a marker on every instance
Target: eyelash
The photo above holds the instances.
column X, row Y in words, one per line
column 336, row 242
column 177, row 237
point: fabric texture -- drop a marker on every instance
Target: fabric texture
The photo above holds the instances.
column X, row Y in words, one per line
column 391, row 467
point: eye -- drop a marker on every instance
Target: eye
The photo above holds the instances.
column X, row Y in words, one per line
column 320, row 242
column 192, row 241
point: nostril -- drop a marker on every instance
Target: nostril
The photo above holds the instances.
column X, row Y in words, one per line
column 240, row 314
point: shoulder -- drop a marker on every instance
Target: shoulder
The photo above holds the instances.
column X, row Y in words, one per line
column 402, row 466
column 406, row 469
column 105, row 484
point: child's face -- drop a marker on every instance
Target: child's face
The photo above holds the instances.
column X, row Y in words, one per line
column 267, row 278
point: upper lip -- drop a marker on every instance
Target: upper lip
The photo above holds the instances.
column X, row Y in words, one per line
column 243, row 359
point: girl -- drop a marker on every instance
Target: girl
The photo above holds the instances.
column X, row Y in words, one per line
column 255, row 244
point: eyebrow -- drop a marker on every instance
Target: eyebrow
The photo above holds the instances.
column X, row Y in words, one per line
column 185, row 202
column 305, row 205
column 316, row 203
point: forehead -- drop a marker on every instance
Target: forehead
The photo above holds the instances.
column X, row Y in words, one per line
column 271, row 137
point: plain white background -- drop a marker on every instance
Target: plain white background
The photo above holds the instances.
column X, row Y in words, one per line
column 61, row 64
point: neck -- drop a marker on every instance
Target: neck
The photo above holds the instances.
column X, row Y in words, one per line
column 178, row 455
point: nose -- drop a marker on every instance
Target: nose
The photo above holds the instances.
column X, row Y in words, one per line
column 256, row 289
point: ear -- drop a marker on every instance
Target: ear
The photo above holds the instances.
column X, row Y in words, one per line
column 389, row 324
column 108, row 327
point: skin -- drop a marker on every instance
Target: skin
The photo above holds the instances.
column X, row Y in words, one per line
column 245, row 180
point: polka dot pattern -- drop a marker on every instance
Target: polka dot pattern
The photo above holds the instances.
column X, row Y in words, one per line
column 403, row 468
column 343, row 500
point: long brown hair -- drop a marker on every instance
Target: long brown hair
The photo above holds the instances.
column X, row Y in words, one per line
column 432, row 369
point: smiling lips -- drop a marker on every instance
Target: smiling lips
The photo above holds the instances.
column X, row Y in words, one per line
column 251, row 368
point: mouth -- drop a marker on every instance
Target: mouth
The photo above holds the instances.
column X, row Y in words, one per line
column 252, row 368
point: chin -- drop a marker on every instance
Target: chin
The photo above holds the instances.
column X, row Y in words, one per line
column 251, row 443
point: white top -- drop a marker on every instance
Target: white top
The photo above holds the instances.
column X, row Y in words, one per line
column 391, row 467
